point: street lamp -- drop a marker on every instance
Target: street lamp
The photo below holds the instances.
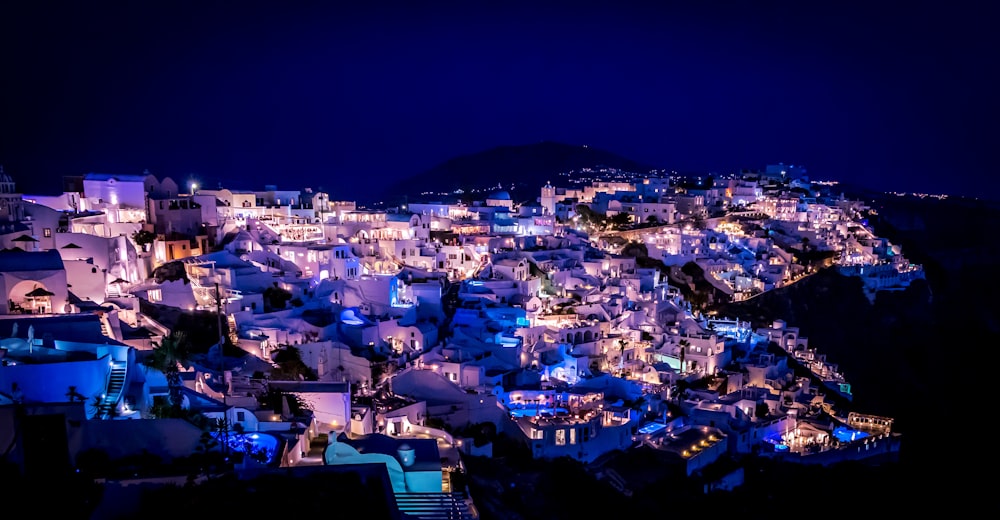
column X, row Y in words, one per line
column 194, row 187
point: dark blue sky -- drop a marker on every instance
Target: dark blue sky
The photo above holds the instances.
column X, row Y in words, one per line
column 328, row 95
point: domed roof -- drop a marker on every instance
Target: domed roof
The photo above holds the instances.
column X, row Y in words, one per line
column 500, row 195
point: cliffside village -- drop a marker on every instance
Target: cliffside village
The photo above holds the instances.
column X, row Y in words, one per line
column 579, row 324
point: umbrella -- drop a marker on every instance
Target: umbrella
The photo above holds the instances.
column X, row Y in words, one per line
column 119, row 280
column 39, row 291
column 25, row 238
column 71, row 245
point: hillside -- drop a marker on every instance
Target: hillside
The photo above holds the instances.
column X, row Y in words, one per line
column 520, row 170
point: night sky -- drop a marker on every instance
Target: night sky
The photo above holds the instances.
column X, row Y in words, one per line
column 336, row 96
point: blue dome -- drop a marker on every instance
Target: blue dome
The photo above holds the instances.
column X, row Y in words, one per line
column 500, row 195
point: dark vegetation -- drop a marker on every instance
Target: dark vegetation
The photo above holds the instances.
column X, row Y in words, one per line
column 290, row 366
column 520, row 170
column 200, row 327
column 170, row 272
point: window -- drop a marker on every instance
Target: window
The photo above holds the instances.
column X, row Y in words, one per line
column 154, row 295
column 241, row 416
column 560, row 437
column 572, row 436
column 47, row 232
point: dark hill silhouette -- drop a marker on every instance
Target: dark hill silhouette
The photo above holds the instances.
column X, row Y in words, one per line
column 519, row 169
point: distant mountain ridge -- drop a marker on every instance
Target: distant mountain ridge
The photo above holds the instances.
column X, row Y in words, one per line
column 515, row 168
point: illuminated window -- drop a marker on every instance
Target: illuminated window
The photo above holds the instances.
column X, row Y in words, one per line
column 154, row 295
column 572, row 436
column 560, row 437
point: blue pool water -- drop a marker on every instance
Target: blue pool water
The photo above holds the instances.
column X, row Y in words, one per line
column 652, row 427
column 531, row 412
column 843, row 434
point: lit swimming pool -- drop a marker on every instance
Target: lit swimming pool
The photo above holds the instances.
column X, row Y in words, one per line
column 531, row 412
column 651, row 428
column 844, row 434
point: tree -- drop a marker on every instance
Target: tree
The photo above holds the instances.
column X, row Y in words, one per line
column 290, row 366
column 221, row 429
column 587, row 215
column 275, row 298
column 171, row 354
column 143, row 237
column 622, row 343
column 684, row 344
column 621, row 220
column 698, row 221
column 635, row 249
column 73, row 395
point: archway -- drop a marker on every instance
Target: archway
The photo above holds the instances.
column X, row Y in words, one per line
column 29, row 297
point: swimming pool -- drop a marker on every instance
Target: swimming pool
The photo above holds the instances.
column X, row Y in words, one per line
column 651, row 428
column 844, row 434
column 531, row 412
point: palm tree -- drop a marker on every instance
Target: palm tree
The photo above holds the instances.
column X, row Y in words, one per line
column 73, row 395
column 622, row 343
column 172, row 353
column 684, row 344
column 101, row 411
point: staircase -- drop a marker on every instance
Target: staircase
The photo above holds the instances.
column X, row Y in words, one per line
column 434, row 506
column 106, row 327
column 116, row 385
